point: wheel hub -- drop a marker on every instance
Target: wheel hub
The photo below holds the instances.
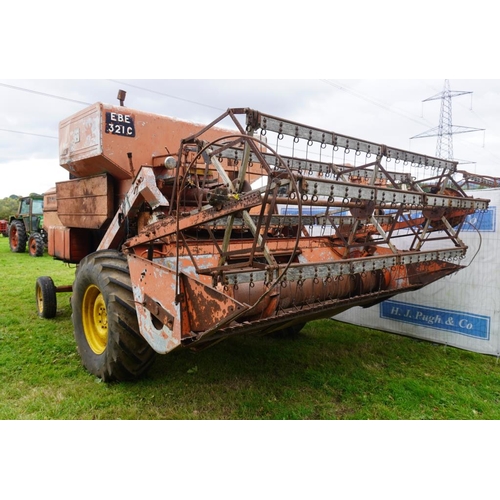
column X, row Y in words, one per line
column 95, row 319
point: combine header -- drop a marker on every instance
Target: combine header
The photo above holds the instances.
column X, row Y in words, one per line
column 185, row 234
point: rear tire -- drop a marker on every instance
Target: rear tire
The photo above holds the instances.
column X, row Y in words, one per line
column 46, row 297
column 17, row 237
column 36, row 245
column 105, row 320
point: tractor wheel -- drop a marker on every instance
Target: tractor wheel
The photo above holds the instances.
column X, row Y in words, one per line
column 105, row 320
column 46, row 297
column 17, row 236
column 36, row 245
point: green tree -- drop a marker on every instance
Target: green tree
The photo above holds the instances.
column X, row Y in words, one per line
column 8, row 206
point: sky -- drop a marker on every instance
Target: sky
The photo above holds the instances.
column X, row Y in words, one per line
column 388, row 111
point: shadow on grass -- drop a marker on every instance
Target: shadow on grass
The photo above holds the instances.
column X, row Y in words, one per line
column 323, row 373
column 330, row 371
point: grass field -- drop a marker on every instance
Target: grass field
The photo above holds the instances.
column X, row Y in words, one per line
column 330, row 371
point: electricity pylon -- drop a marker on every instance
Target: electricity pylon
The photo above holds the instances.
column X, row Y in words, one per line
column 445, row 130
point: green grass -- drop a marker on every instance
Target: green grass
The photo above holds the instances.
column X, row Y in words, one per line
column 330, row 371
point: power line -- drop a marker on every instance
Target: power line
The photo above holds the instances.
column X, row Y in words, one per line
column 167, row 95
column 27, row 133
column 384, row 106
column 53, row 96
column 380, row 104
column 36, row 92
column 14, row 87
column 445, row 130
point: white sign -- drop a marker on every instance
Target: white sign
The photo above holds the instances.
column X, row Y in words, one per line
column 462, row 310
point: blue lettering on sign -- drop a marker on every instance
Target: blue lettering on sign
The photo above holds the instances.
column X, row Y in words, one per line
column 482, row 221
column 470, row 325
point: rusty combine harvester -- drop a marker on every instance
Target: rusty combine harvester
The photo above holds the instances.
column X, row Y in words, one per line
column 185, row 234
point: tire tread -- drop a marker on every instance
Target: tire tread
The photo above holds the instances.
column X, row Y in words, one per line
column 127, row 355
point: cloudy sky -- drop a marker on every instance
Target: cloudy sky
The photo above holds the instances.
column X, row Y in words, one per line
column 388, row 111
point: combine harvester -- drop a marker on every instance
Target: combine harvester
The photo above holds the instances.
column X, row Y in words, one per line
column 185, row 234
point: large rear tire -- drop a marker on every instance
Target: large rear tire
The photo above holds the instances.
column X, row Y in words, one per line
column 17, row 236
column 105, row 320
column 36, row 245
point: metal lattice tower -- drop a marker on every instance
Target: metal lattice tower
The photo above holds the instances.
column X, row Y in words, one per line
column 445, row 130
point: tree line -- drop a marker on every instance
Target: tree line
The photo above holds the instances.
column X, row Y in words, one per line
column 9, row 206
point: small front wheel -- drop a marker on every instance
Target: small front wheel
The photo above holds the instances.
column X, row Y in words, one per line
column 36, row 245
column 46, row 297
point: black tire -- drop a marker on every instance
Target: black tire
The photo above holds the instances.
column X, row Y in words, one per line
column 36, row 245
column 105, row 320
column 46, row 297
column 17, row 237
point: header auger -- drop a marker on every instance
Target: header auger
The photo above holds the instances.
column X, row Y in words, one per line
column 185, row 234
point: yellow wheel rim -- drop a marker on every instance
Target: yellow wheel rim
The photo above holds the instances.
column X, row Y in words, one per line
column 39, row 299
column 95, row 319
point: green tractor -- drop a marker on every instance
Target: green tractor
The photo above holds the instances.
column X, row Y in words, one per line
column 27, row 227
